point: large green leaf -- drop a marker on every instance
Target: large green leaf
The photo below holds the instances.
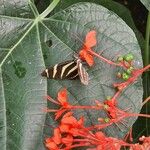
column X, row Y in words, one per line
column 23, row 45
column 16, row 8
column 114, row 37
column 21, row 87
column 146, row 3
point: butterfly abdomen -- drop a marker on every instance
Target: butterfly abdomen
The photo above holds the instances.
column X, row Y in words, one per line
column 65, row 70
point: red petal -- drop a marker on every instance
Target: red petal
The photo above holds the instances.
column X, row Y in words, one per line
column 100, row 135
column 47, row 140
column 57, row 136
column 69, row 120
column 74, row 131
column 90, row 39
column 51, row 145
column 85, row 56
column 89, row 59
column 62, row 96
column 81, row 121
column 59, row 113
column 68, row 140
column 68, row 114
column 64, row 128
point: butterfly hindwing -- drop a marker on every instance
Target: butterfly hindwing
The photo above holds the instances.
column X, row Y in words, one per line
column 84, row 77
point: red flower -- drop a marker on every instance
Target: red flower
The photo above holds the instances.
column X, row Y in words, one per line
column 84, row 53
column 50, row 144
column 61, row 101
column 69, row 124
column 63, row 97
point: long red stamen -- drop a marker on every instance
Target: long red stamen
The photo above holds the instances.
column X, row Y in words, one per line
column 106, row 60
column 52, row 100
column 86, row 107
column 49, row 110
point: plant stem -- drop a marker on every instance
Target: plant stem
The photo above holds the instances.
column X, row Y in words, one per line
column 146, row 62
column 49, row 9
column 147, row 38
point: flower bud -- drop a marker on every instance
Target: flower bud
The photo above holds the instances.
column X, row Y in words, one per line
column 125, row 76
column 128, row 57
column 119, row 75
column 106, row 120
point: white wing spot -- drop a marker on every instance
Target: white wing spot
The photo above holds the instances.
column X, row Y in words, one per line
column 64, row 68
column 55, row 70
column 46, row 70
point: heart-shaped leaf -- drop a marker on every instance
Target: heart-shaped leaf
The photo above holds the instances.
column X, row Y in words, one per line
column 114, row 38
column 23, row 45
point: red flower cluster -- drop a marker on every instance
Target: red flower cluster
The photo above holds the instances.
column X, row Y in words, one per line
column 84, row 53
column 62, row 101
column 63, row 136
column 72, row 133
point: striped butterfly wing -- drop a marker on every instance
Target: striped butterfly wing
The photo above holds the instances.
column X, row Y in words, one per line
column 84, row 77
column 65, row 70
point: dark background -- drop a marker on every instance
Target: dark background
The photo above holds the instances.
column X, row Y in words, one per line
column 138, row 12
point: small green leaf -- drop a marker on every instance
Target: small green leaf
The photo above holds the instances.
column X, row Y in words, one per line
column 146, row 3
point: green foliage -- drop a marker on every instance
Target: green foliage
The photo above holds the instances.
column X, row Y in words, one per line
column 114, row 37
column 146, row 3
column 23, row 53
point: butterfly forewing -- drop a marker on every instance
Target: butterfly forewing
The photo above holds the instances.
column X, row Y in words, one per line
column 65, row 70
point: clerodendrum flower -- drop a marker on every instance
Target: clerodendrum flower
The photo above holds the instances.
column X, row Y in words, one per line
column 72, row 133
column 90, row 41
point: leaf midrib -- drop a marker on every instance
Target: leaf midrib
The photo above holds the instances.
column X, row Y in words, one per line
column 4, row 104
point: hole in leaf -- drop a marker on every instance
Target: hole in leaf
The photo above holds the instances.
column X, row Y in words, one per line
column 49, row 43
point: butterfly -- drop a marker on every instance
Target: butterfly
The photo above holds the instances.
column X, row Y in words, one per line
column 73, row 69
column 70, row 69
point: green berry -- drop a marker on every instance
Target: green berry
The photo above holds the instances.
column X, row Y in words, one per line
column 125, row 76
column 129, row 71
column 120, row 58
column 128, row 57
column 131, row 68
column 106, row 120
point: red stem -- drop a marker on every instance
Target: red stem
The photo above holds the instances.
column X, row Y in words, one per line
column 117, row 120
column 116, row 95
column 52, row 100
column 86, row 107
column 106, row 60
column 145, row 101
